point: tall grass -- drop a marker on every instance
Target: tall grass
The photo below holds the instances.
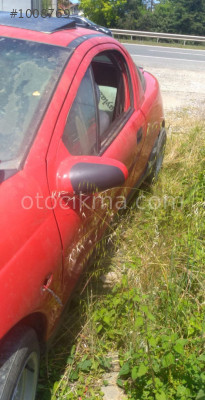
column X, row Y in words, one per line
column 146, row 300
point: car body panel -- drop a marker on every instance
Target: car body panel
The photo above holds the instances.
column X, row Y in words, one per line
column 44, row 248
column 153, row 111
column 78, row 231
column 28, row 257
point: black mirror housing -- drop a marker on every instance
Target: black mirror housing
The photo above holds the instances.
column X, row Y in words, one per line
column 90, row 174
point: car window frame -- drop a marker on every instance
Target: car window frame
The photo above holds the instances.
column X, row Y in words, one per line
column 141, row 77
column 98, row 141
column 118, row 124
column 87, row 55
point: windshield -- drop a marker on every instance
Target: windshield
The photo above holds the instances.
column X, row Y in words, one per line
column 29, row 73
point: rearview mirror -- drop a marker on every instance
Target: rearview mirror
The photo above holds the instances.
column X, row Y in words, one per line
column 90, row 174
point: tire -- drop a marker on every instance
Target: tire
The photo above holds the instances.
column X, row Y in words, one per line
column 159, row 151
column 19, row 364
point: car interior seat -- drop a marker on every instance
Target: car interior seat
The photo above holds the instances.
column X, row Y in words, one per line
column 104, row 118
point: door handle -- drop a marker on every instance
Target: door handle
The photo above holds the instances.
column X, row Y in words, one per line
column 139, row 135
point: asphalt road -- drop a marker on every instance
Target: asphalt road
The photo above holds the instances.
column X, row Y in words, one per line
column 167, row 57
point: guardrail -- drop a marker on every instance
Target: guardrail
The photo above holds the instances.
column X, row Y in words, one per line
column 158, row 35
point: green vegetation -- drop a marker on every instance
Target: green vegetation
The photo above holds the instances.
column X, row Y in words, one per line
column 173, row 16
column 46, row 4
column 153, row 312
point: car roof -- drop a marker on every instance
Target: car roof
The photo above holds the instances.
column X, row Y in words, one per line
column 46, row 25
column 56, row 31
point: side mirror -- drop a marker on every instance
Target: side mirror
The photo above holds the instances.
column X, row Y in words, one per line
column 90, row 174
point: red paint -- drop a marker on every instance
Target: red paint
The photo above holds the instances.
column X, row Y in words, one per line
column 40, row 242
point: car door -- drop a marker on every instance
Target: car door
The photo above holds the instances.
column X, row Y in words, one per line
column 98, row 118
column 124, row 138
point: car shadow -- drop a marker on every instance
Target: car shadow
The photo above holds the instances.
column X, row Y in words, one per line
column 56, row 359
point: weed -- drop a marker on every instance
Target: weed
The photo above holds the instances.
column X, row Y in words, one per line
column 153, row 313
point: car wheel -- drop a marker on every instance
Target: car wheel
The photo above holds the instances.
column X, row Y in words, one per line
column 19, row 364
column 159, row 151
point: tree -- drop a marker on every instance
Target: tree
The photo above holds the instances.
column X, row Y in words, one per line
column 132, row 12
column 163, row 17
column 188, row 16
column 104, row 12
column 174, row 16
column 150, row 4
column 179, row 16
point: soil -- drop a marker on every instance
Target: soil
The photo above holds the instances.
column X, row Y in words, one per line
column 181, row 89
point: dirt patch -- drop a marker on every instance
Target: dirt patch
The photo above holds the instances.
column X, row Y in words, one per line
column 181, row 88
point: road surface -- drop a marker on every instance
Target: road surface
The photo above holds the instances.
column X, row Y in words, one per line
column 180, row 72
column 171, row 57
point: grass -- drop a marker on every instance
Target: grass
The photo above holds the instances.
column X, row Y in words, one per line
column 152, row 313
column 153, row 42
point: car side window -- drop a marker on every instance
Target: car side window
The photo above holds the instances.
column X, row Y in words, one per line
column 80, row 133
column 112, row 88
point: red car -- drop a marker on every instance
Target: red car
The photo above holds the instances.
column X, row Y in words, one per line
column 79, row 122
